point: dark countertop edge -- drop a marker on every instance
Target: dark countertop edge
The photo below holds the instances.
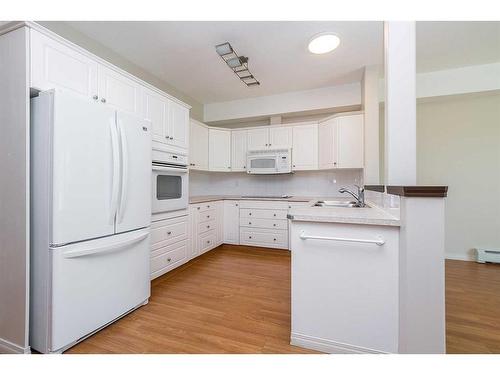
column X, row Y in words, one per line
column 418, row 191
column 379, row 188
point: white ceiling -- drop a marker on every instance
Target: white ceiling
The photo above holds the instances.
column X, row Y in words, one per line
column 183, row 54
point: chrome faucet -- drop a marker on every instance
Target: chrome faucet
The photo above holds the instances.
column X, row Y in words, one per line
column 360, row 197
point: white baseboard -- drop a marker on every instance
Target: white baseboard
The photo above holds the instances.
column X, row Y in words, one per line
column 328, row 346
column 466, row 257
column 6, row 347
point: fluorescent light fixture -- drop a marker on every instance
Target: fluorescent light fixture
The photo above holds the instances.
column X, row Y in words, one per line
column 224, row 49
column 234, row 62
column 238, row 64
column 323, row 43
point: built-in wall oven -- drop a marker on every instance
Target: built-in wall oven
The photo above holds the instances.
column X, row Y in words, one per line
column 169, row 182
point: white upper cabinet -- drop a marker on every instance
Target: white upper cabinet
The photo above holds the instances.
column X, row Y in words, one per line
column 155, row 109
column 198, row 146
column 280, row 137
column 350, row 141
column 341, row 142
column 119, row 91
column 54, row 65
column 177, row 125
column 327, row 144
column 219, row 150
column 258, row 139
column 239, row 150
column 305, row 147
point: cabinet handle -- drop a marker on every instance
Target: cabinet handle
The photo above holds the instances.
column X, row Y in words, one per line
column 103, row 100
column 335, row 163
column 208, row 206
column 169, row 259
column 249, row 237
column 274, row 215
column 208, row 241
column 169, row 233
column 244, row 167
column 249, row 223
column 249, row 214
column 171, row 137
column 208, row 226
column 294, row 165
column 208, row 216
column 274, row 225
column 229, row 167
column 274, row 239
column 236, row 204
column 198, row 208
column 95, row 97
column 269, row 145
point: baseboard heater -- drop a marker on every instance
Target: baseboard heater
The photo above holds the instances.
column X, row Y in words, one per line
column 487, row 255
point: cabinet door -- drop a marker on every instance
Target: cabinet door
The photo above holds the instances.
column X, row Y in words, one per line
column 258, row 138
column 198, row 146
column 327, row 148
column 118, row 91
column 193, row 232
column 280, row 137
column 155, row 110
column 54, row 65
column 239, row 150
column 231, row 222
column 305, row 147
column 219, row 220
column 350, row 141
column 219, row 150
column 177, row 125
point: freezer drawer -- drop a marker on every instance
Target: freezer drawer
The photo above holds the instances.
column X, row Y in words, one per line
column 93, row 283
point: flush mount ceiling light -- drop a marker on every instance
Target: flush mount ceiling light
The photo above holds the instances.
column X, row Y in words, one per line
column 323, row 43
column 238, row 64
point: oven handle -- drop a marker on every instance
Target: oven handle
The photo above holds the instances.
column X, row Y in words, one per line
column 170, row 169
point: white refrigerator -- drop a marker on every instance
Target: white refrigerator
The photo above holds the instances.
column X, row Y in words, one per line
column 90, row 217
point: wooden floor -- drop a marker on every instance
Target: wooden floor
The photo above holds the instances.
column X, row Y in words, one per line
column 236, row 299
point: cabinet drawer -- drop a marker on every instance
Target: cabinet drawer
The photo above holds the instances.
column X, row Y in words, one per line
column 167, row 258
column 202, row 207
column 207, row 215
column 207, row 241
column 264, row 237
column 264, row 223
column 265, row 205
column 263, row 214
column 206, row 226
column 168, row 231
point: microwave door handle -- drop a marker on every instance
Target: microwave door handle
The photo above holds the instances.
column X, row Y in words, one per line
column 116, row 171
column 124, row 179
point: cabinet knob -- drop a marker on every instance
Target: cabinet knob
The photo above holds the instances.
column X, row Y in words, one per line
column 269, row 145
column 294, row 165
column 244, row 167
column 208, row 216
column 249, row 237
column 274, row 225
column 167, row 137
column 171, row 137
column 208, row 241
column 95, row 97
column 274, row 215
column 169, row 233
column 198, row 208
column 236, row 204
column 169, row 259
column 208, row 226
column 335, row 163
column 103, row 100
column 274, row 239
column 249, row 223
column 228, row 167
column 249, row 214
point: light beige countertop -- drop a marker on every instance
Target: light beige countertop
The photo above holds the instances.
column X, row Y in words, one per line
column 371, row 215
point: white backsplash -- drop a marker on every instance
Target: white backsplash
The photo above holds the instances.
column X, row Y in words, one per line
column 304, row 183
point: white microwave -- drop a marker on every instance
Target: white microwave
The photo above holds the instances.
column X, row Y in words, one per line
column 275, row 161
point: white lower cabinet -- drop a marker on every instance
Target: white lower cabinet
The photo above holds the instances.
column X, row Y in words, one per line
column 231, row 222
column 264, row 223
column 339, row 308
column 169, row 244
column 206, row 227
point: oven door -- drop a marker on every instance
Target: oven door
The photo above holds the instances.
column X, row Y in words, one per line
column 170, row 188
column 262, row 164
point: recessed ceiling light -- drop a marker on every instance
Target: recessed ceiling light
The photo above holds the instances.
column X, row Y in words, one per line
column 323, row 43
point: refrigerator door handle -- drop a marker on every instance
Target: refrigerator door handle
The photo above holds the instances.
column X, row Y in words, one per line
column 89, row 250
column 116, row 171
column 124, row 179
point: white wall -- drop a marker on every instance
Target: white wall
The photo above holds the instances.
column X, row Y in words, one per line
column 305, row 183
column 298, row 101
column 458, row 144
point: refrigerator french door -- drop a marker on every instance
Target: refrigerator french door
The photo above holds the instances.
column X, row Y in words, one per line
column 90, row 217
